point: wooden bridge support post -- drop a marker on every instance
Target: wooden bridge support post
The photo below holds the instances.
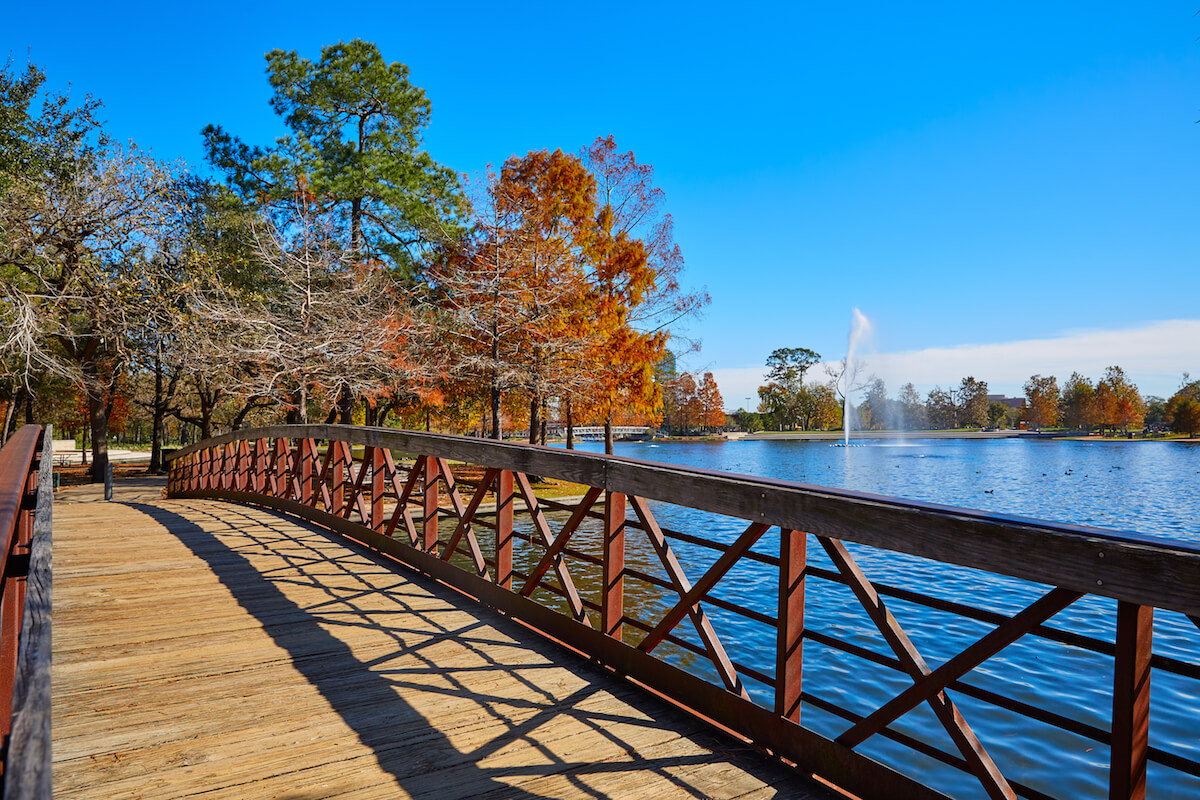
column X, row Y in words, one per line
column 504, row 528
column 258, row 472
column 429, row 521
column 612, row 598
column 793, row 546
column 281, row 474
column 306, row 457
column 1131, row 702
column 337, row 476
column 245, row 468
column 378, row 476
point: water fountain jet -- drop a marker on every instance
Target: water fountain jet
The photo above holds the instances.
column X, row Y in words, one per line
column 860, row 329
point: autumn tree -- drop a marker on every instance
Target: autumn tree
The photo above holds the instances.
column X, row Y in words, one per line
column 688, row 402
column 355, row 127
column 633, row 267
column 711, row 403
column 820, row 408
column 554, row 197
column 512, row 289
column 1183, row 409
column 1118, row 401
column 1042, row 401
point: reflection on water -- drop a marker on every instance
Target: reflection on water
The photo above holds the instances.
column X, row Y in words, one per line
column 1150, row 488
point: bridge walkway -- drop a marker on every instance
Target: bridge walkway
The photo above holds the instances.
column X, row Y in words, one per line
column 205, row 649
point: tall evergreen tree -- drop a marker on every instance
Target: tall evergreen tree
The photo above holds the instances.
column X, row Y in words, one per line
column 356, row 125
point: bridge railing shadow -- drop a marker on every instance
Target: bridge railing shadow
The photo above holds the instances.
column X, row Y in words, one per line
column 263, row 560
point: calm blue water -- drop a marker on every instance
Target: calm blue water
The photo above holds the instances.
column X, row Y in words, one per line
column 1152, row 488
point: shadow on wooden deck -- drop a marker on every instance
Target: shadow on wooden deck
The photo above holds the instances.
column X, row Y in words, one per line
column 453, row 699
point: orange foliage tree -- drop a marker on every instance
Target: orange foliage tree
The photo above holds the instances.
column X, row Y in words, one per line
column 712, row 405
column 512, row 289
column 1042, row 399
column 633, row 267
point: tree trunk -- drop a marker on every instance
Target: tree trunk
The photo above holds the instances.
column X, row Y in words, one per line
column 157, row 414
column 9, row 412
column 535, row 419
column 570, row 427
column 29, row 408
column 381, row 420
column 98, row 423
column 156, row 436
column 205, row 420
column 496, row 433
column 345, row 404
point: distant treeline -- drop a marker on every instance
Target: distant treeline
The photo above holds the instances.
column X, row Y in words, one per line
column 788, row 402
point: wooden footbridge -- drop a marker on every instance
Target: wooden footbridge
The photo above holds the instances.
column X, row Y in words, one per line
column 326, row 611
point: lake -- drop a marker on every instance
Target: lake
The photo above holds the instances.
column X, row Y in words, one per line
column 1151, row 488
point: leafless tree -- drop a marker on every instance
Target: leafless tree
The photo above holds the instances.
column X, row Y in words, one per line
column 76, row 241
column 324, row 325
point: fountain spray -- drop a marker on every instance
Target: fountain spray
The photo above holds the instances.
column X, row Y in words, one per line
column 860, row 328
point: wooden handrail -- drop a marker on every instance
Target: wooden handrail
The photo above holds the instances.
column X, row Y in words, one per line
column 310, row 471
column 1125, row 566
column 26, row 497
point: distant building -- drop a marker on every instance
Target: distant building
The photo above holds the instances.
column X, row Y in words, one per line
column 1012, row 402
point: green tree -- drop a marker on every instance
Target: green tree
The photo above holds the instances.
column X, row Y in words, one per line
column 356, row 125
column 787, row 365
column 1078, row 402
column 1156, row 411
column 876, row 409
column 45, row 144
column 997, row 414
column 971, row 403
column 911, row 408
column 939, row 409
column 785, row 397
column 777, row 404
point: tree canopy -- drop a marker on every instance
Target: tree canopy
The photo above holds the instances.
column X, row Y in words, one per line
column 355, row 134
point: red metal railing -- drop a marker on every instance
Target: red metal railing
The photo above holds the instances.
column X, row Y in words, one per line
column 25, row 499
column 645, row 613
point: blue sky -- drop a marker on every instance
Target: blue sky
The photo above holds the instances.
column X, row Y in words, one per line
column 1018, row 179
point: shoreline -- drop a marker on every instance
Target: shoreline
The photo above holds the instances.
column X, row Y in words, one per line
column 837, row 436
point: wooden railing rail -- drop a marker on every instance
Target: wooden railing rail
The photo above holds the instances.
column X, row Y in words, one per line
column 26, row 496
column 637, row 607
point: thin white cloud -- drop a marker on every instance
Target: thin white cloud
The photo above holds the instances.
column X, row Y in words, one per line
column 1153, row 355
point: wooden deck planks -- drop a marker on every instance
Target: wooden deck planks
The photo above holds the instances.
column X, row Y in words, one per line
column 204, row 649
